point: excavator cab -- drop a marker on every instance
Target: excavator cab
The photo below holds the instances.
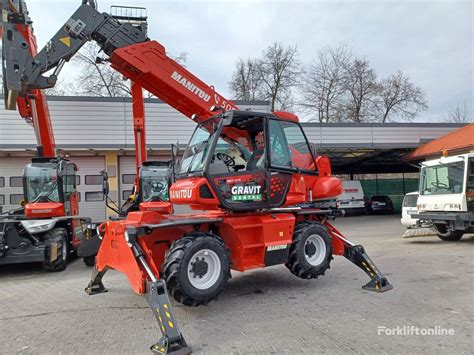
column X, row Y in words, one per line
column 150, row 191
column 248, row 160
column 50, row 188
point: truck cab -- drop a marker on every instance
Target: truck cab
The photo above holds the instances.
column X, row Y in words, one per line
column 446, row 197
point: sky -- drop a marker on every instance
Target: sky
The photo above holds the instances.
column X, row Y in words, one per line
column 431, row 41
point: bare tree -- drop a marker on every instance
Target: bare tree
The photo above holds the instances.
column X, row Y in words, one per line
column 245, row 81
column 400, row 97
column 278, row 71
column 100, row 79
column 362, row 87
column 460, row 114
column 323, row 83
column 62, row 88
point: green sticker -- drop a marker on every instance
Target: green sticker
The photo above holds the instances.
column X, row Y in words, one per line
column 247, row 197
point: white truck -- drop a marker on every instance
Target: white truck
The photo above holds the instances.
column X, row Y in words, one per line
column 351, row 200
column 446, row 197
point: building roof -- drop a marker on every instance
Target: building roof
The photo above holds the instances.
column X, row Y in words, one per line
column 459, row 140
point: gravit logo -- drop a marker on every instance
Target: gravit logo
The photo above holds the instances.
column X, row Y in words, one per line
column 190, row 86
column 246, row 193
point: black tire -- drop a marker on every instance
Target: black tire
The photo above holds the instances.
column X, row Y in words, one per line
column 300, row 252
column 89, row 260
column 178, row 266
column 448, row 236
column 58, row 236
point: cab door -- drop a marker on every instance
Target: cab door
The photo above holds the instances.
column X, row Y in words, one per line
column 71, row 203
column 238, row 173
column 470, row 186
column 291, row 161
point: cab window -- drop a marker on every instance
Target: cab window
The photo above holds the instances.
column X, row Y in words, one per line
column 289, row 147
column 70, row 179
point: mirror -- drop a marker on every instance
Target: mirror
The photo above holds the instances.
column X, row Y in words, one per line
column 105, row 183
column 174, row 160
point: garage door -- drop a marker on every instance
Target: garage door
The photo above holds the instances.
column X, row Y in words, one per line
column 11, row 184
column 92, row 200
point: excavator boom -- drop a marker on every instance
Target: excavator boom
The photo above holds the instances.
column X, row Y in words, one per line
column 18, row 36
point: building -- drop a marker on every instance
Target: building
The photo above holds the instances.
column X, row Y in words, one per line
column 97, row 134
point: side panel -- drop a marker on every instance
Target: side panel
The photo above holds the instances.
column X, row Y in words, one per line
column 257, row 241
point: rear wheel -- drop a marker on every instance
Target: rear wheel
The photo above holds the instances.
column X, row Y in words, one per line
column 89, row 260
column 57, row 251
column 311, row 251
column 197, row 268
column 448, row 236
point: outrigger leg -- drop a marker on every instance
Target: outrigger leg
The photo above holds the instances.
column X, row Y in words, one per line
column 357, row 255
column 171, row 341
column 95, row 285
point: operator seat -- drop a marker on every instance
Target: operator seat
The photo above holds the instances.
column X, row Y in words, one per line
column 218, row 167
column 254, row 159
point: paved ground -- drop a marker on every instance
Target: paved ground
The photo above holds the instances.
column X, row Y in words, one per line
column 265, row 311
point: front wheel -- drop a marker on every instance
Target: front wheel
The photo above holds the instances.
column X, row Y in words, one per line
column 448, row 236
column 311, row 251
column 197, row 268
column 57, row 250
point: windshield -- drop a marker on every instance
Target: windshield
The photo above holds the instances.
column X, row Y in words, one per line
column 196, row 152
column 41, row 183
column 155, row 184
column 410, row 200
column 442, row 179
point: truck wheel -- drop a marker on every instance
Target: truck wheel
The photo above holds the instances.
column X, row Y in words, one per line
column 448, row 236
column 89, row 260
column 59, row 237
column 196, row 268
column 310, row 252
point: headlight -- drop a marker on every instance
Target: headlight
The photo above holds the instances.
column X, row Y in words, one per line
column 33, row 227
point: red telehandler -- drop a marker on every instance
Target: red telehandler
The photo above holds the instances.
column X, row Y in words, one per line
column 47, row 228
column 254, row 174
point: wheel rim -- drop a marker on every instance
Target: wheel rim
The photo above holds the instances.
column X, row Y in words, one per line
column 204, row 269
column 64, row 250
column 315, row 250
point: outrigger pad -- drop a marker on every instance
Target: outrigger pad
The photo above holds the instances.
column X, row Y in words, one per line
column 95, row 285
column 172, row 341
column 357, row 255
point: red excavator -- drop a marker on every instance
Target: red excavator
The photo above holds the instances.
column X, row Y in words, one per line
column 254, row 174
column 47, row 228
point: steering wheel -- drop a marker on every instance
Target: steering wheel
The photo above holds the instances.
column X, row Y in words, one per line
column 157, row 186
column 226, row 159
column 439, row 184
